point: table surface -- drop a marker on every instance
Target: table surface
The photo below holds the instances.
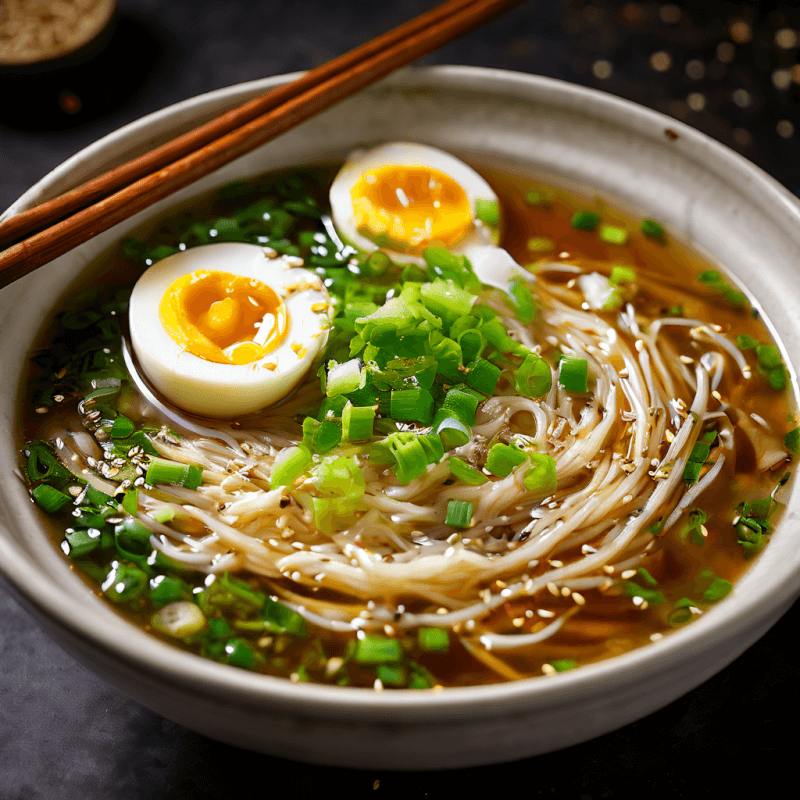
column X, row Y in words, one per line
column 729, row 69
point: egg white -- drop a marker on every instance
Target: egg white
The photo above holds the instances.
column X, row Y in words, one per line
column 493, row 265
column 406, row 154
column 225, row 391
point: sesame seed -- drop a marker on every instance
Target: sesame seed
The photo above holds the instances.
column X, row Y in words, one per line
column 548, row 669
column 579, row 599
column 629, row 573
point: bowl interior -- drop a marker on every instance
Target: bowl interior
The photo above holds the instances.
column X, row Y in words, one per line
column 634, row 158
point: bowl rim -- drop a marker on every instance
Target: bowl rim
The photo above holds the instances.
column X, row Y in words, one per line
column 163, row 662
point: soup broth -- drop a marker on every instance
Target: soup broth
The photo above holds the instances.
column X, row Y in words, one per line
column 625, row 368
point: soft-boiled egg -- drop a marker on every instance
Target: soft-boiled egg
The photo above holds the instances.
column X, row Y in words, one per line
column 225, row 330
column 402, row 197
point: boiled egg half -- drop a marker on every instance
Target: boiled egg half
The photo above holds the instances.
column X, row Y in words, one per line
column 402, row 197
column 226, row 330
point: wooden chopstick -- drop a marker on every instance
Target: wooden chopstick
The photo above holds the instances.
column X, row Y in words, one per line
column 51, row 211
column 232, row 135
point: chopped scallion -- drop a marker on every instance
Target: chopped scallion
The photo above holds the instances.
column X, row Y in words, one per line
column 573, row 374
column 50, row 499
column 81, row 542
column 465, row 473
column 585, row 220
column 488, row 211
column 161, row 470
column 357, row 422
column 483, row 376
column 459, row 514
column 433, row 640
column 122, row 428
column 792, row 441
column 377, row 650
column 746, row 342
column 452, row 431
column 288, row 465
column 412, row 405
column 533, row 377
column 343, row 378
column 652, row 229
column 503, row 459
column 622, row 274
column 541, row 477
column 611, row 234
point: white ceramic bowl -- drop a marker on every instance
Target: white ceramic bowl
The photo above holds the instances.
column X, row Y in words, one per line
column 723, row 203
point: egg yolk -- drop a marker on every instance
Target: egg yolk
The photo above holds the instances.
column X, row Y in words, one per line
column 224, row 318
column 412, row 206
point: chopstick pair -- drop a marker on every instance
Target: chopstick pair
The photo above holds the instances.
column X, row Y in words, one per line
column 63, row 223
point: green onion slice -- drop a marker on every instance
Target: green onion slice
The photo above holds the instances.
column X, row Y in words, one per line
column 573, row 374
column 465, row 473
column 503, row 459
column 459, row 514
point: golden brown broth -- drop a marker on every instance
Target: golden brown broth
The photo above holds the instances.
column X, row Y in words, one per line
column 610, row 623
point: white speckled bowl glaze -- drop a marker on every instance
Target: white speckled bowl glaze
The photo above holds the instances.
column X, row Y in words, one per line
column 724, row 204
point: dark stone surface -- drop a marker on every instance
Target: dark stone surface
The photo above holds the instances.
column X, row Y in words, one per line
column 63, row 732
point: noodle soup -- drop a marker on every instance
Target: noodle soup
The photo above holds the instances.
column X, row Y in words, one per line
column 472, row 483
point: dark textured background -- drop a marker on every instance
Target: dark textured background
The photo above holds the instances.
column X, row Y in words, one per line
column 727, row 68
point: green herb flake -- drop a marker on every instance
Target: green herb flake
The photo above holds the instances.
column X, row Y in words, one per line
column 537, row 199
column 646, row 577
column 433, row 640
column 792, row 441
column 488, row 212
column 585, row 220
column 718, row 589
column 652, row 229
column 541, row 244
column 746, row 342
column 612, row 234
column 651, row 596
